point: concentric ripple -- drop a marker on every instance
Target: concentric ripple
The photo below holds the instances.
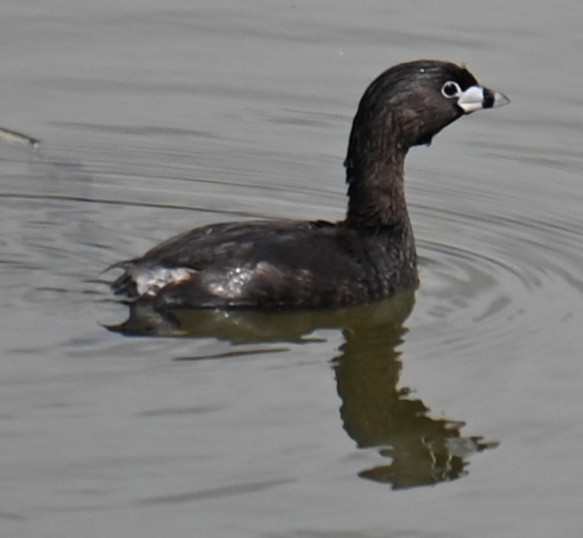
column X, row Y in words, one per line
column 494, row 281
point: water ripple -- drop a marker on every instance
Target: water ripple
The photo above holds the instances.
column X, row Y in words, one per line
column 495, row 279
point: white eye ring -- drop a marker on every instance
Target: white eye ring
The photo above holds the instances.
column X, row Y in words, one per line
column 451, row 89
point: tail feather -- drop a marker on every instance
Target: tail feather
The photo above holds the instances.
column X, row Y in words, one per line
column 124, row 284
column 140, row 280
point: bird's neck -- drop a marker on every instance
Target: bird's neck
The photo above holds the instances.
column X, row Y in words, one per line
column 376, row 188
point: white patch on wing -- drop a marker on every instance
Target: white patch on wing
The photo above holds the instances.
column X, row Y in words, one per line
column 150, row 281
column 231, row 284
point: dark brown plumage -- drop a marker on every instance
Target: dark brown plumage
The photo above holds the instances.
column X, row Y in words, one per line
column 286, row 264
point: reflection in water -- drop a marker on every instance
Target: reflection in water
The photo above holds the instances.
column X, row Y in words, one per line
column 375, row 412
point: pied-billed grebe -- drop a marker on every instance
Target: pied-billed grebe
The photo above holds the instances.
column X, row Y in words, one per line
column 317, row 264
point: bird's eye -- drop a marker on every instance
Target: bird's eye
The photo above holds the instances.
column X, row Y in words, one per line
column 451, row 89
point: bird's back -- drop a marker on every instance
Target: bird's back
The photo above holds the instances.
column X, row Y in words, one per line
column 267, row 264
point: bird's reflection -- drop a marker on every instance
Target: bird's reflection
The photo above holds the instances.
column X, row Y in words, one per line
column 375, row 411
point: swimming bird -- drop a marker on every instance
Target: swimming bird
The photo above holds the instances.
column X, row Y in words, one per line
column 281, row 264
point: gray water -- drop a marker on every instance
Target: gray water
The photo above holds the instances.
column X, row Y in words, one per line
column 456, row 412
